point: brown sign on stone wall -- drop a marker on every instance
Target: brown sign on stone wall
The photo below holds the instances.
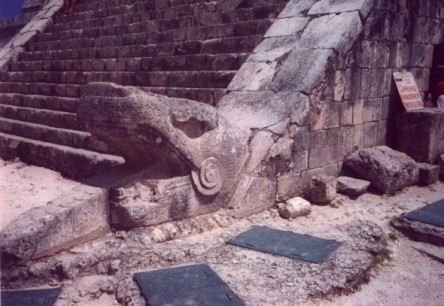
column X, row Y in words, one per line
column 408, row 91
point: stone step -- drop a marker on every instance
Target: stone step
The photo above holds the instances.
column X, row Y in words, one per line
column 137, row 20
column 65, row 137
column 51, row 118
column 72, row 162
column 114, row 6
column 152, row 31
column 41, row 102
column 136, row 11
column 195, row 62
column 175, row 38
column 59, row 77
column 241, row 44
column 43, row 89
column 186, row 79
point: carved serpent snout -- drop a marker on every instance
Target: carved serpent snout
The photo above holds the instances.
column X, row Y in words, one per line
column 182, row 136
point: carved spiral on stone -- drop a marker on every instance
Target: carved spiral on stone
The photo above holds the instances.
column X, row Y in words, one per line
column 208, row 179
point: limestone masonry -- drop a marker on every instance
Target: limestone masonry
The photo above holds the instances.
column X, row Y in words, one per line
column 192, row 105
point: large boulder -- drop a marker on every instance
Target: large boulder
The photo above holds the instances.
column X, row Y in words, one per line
column 387, row 170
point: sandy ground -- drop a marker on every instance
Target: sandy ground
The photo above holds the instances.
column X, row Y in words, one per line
column 407, row 278
column 23, row 187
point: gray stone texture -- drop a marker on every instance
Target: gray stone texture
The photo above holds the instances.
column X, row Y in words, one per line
column 337, row 32
column 387, row 170
column 318, row 87
column 289, row 186
column 78, row 216
column 351, row 186
column 263, row 109
column 294, row 207
column 253, row 76
column 332, row 6
column 322, row 189
column 259, row 148
column 287, row 26
column 428, row 174
column 420, row 135
column 297, row 8
column 38, row 24
column 169, row 138
column 441, row 164
column 419, row 231
column 302, row 70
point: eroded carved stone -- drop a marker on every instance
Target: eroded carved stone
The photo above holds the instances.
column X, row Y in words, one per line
column 182, row 157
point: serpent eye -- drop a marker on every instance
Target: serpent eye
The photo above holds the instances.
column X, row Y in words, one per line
column 192, row 127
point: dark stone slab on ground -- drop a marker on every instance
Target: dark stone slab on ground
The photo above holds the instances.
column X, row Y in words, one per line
column 425, row 224
column 29, row 297
column 187, row 285
column 286, row 243
column 431, row 214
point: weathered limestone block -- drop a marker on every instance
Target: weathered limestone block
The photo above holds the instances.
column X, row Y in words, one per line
column 351, row 186
column 259, row 147
column 289, row 186
column 329, row 6
column 428, row 174
column 261, row 109
column 287, row 26
column 76, row 217
column 252, row 195
column 333, row 31
column 386, row 169
column 296, row 8
column 253, row 76
column 302, row 70
column 294, row 207
column 420, row 135
column 322, row 189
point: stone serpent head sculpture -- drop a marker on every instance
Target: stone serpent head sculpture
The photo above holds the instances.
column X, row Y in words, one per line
column 182, row 157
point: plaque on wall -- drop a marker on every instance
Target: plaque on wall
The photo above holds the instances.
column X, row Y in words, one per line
column 408, row 91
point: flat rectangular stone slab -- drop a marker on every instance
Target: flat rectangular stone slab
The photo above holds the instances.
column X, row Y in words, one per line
column 30, row 297
column 431, row 214
column 286, row 243
column 188, row 285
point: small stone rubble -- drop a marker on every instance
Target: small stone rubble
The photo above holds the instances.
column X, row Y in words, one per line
column 351, row 186
column 294, row 207
column 322, row 189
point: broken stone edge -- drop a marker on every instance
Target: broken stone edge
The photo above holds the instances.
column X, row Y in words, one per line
column 419, row 231
column 73, row 218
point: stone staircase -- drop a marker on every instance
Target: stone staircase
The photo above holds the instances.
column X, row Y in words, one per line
column 180, row 48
